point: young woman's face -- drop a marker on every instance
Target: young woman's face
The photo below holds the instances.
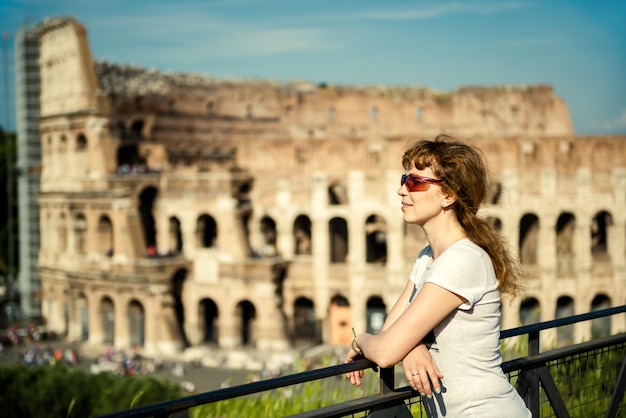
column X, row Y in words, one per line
column 420, row 206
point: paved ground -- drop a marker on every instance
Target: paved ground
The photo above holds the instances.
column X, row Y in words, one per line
column 203, row 378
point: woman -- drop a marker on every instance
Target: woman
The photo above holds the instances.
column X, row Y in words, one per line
column 445, row 326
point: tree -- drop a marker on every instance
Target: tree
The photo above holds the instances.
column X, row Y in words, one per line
column 8, row 208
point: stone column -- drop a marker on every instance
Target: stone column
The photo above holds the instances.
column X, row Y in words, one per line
column 96, row 332
column 320, row 248
column 120, row 305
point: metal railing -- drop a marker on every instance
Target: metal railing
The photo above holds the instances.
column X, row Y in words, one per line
column 580, row 380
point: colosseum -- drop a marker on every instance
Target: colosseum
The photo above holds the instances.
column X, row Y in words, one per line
column 178, row 210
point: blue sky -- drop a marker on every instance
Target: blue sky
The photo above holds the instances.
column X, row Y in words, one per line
column 577, row 46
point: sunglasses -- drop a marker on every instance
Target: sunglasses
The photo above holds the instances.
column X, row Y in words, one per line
column 415, row 183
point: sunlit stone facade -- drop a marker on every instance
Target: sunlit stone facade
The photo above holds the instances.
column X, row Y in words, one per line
column 178, row 210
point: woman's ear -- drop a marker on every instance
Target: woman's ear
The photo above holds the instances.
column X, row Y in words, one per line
column 447, row 201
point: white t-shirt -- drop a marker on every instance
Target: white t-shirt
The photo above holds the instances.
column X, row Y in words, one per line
column 466, row 344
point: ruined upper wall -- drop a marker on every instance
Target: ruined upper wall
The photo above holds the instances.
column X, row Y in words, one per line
column 72, row 82
column 388, row 110
column 68, row 78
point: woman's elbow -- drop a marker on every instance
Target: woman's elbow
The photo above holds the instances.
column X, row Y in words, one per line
column 385, row 360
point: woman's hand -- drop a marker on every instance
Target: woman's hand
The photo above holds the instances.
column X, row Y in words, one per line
column 355, row 376
column 421, row 371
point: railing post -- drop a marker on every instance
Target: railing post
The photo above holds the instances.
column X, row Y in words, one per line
column 530, row 378
column 387, row 380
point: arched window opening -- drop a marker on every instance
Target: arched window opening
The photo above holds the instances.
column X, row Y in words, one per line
column 564, row 308
column 136, row 322
column 129, row 161
column 565, row 232
column 529, row 311
column 330, row 112
column 63, row 144
column 62, row 233
column 209, row 108
column 304, row 322
column 495, row 193
column 249, row 111
column 495, row 223
column 146, row 207
column 288, row 110
column 175, row 237
column 600, row 327
column 339, row 321
column 528, row 239
column 81, row 143
column 599, row 235
column 105, row 236
column 83, row 316
column 268, row 234
column 376, row 240
column 80, row 233
column 208, row 314
column 246, row 313
column 374, row 113
column 419, row 113
column 206, row 231
column 171, row 107
column 178, row 282
column 302, row 235
column 108, row 321
column 337, row 194
column 376, row 313
column 136, row 129
column 338, row 236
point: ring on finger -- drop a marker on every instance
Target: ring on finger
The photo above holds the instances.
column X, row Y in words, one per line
column 415, row 374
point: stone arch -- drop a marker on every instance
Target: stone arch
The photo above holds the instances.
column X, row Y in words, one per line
column 330, row 112
column 104, row 236
column 249, row 113
column 419, row 113
column 375, row 239
column 206, row 231
column 304, row 321
column 147, row 199
column 268, row 234
column 564, row 308
column 246, row 314
column 565, row 233
column 107, row 315
column 338, row 240
column 600, row 327
column 529, row 311
column 208, row 313
column 529, row 239
column 175, row 236
column 136, row 323
column 80, row 233
column 376, row 313
column 177, row 285
column 302, row 235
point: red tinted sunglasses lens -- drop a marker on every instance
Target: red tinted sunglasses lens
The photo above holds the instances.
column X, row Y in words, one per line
column 413, row 184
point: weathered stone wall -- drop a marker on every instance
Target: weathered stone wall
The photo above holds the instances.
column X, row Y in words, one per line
column 242, row 212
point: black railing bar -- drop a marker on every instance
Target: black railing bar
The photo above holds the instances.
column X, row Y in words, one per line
column 540, row 326
column 180, row 404
column 358, row 405
column 538, row 360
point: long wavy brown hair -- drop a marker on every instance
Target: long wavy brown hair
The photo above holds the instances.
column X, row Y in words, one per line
column 464, row 173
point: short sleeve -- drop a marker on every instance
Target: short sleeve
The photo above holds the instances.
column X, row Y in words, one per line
column 465, row 270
